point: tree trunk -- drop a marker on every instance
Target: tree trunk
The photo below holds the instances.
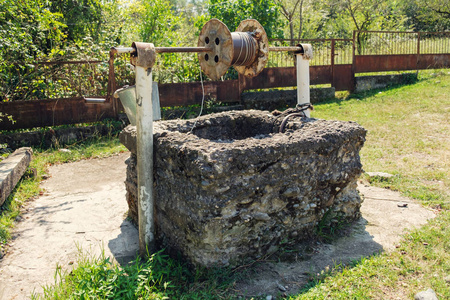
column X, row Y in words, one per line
column 291, row 30
column 301, row 20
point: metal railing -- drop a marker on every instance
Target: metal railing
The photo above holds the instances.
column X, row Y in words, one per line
column 401, row 42
column 65, row 79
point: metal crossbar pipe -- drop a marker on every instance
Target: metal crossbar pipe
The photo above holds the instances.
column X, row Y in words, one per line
column 115, row 50
column 182, row 49
column 195, row 49
column 162, row 49
column 281, row 49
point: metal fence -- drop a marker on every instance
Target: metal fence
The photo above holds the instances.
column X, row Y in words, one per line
column 396, row 43
column 324, row 51
column 61, row 85
column 434, row 42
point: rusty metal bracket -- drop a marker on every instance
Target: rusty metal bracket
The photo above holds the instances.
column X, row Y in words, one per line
column 306, row 50
column 144, row 56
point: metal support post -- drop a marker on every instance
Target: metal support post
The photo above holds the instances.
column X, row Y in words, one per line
column 144, row 60
column 303, row 76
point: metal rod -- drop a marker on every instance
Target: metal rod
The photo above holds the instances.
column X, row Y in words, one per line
column 123, row 50
column 280, row 49
column 181, row 49
column 193, row 49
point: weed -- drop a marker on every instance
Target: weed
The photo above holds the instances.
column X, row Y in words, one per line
column 157, row 277
column 330, row 226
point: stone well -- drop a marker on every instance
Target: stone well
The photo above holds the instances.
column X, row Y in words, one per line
column 233, row 189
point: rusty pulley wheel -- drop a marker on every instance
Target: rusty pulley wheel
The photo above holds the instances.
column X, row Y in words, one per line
column 216, row 36
column 247, row 49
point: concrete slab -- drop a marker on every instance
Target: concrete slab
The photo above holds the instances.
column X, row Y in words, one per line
column 12, row 169
column 83, row 208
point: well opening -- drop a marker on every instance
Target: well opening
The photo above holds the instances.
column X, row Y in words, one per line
column 235, row 127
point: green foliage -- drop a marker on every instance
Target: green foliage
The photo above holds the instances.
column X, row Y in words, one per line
column 82, row 17
column 429, row 15
column 233, row 12
column 28, row 32
column 158, row 277
column 4, row 117
column 156, row 22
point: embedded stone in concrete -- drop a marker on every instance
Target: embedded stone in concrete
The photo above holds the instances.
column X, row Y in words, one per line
column 233, row 189
column 12, row 169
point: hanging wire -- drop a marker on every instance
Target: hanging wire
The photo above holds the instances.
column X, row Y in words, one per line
column 203, row 100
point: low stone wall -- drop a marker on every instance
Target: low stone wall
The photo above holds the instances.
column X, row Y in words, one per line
column 366, row 83
column 281, row 99
column 56, row 137
column 11, row 170
column 234, row 188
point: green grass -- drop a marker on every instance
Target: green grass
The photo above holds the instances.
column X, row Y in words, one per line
column 158, row 277
column 407, row 136
column 422, row 261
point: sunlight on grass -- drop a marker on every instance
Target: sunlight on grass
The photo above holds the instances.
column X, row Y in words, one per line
column 407, row 135
column 422, row 261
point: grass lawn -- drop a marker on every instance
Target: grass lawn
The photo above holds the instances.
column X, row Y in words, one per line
column 408, row 136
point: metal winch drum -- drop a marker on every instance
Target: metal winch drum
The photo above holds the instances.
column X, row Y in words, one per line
column 247, row 50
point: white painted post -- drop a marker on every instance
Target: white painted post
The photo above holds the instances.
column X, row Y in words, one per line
column 303, row 91
column 144, row 149
column 144, row 61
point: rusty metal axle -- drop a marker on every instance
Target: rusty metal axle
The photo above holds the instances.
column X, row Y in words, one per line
column 115, row 50
column 196, row 49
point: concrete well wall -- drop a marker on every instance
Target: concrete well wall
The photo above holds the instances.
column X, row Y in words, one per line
column 234, row 188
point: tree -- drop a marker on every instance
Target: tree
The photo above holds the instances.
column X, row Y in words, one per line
column 28, row 32
column 430, row 15
column 288, row 9
column 156, row 21
column 373, row 15
column 234, row 11
column 82, row 17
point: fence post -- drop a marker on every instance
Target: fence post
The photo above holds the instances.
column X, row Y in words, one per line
column 418, row 52
column 354, row 62
column 332, row 63
column 112, row 85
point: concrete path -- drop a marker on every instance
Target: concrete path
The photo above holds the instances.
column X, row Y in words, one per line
column 84, row 207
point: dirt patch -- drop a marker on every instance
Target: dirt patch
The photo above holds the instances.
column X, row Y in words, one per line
column 85, row 205
column 380, row 229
